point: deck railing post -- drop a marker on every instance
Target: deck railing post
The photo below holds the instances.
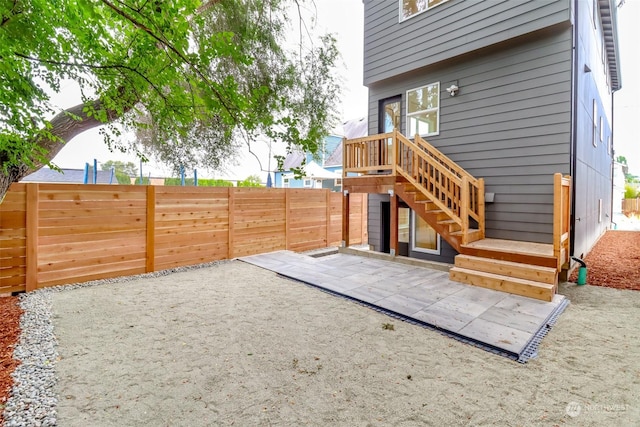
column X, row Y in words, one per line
column 481, row 212
column 344, row 157
column 394, row 154
column 464, row 209
column 345, row 219
column 393, row 235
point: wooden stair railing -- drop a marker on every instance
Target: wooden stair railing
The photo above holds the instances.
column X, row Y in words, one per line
column 454, row 192
column 448, row 187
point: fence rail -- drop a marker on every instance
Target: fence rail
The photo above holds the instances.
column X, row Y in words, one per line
column 52, row 234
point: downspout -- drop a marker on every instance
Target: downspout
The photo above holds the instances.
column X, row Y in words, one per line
column 613, row 160
column 573, row 145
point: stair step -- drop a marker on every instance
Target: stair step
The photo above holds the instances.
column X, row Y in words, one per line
column 473, row 234
column 438, row 213
column 451, row 224
column 508, row 268
column 498, row 282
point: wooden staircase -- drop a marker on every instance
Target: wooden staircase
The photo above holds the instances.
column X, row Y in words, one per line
column 451, row 201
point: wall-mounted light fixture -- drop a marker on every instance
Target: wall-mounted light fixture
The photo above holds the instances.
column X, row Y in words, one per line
column 453, row 89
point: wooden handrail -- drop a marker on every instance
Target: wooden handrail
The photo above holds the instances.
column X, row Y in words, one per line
column 444, row 160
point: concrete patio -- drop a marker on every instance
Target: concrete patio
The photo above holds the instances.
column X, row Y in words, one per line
column 505, row 324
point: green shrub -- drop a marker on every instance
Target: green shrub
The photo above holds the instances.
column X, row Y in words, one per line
column 630, row 192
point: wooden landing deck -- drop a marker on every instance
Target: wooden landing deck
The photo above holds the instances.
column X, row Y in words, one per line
column 524, row 248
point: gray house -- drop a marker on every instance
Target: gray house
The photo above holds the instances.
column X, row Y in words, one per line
column 474, row 106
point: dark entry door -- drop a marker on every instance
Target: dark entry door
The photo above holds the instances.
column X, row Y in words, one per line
column 385, row 227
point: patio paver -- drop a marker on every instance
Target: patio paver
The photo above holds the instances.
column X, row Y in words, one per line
column 500, row 322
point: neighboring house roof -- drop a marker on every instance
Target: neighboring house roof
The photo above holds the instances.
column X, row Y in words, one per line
column 609, row 18
column 355, row 128
column 315, row 171
column 330, row 146
column 69, row 176
column 293, row 160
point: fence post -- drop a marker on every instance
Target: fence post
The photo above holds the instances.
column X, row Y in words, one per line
column 327, row 200
column 345, row 218
column 151, row 229
column 230, row 210
column 364, row 210
column 287, row 216
column 32, row 213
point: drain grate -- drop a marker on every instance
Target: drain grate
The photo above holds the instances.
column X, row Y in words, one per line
column 531, row 349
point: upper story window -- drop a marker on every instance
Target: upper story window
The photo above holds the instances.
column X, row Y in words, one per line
column 423, row 110
column 409, row 8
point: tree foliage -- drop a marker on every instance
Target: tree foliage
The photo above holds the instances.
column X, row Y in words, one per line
column 250, row 181
column 202, row 182
column 123, row 171
column 193, row 78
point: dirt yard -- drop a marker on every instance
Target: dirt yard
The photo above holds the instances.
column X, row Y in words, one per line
column 238, row 345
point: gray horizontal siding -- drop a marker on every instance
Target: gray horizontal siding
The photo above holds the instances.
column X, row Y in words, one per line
column 448, row 30
column 510, row 124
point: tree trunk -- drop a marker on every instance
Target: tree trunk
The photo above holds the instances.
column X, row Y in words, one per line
column 65, row 126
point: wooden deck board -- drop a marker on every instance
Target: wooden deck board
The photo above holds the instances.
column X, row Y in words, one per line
column 525, row 248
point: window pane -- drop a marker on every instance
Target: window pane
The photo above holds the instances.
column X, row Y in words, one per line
column 412, row 7
column 403, row 225
column 423, row 124
column 426, row 237
column 424, row 98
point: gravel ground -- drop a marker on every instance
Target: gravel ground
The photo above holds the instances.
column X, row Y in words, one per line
column 231, row 344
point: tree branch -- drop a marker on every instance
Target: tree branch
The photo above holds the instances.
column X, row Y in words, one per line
column 172, row 48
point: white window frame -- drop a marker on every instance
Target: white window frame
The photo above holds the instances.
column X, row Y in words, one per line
column 401, row 18
column 601, row 129
column 307, row 182
column 415, row 248
column 408, row 115
column 594, row 133
column 285, row 182
column 337, row 182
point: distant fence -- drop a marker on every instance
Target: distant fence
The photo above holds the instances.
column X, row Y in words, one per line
column 53, row 234
column 631, row 206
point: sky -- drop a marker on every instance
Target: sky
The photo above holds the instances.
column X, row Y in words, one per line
column 344, row 18
column 626, row 108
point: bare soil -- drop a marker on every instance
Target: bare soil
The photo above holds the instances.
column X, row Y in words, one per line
column 614, row 262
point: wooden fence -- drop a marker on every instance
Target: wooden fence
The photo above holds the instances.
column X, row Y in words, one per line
column 52, row 234
column 631, row 206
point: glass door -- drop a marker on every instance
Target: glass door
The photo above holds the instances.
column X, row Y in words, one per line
column 388, row 120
